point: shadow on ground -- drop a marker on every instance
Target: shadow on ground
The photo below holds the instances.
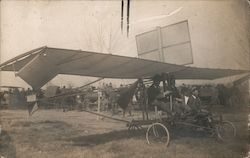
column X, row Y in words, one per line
column 7, row 148
column 97, row 139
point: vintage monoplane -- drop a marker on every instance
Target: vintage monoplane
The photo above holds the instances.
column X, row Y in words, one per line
column 40, row 65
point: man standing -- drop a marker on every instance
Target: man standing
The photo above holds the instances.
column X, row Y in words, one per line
column 157, row 98
column 194, row 102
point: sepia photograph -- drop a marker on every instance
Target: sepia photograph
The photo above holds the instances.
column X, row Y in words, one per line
column 124, row 78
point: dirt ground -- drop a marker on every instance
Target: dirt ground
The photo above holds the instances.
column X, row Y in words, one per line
column 73, row 134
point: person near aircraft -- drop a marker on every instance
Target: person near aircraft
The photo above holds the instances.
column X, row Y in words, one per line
column 156, row 97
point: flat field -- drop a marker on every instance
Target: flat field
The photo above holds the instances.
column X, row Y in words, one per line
column 73, row 134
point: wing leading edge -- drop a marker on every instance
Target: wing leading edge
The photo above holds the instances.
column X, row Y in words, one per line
column 41, row 65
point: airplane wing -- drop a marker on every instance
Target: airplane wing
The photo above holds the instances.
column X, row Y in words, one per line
column 39, row 66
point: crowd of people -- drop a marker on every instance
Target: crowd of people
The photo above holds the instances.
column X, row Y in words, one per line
column 14, row 96
column 185, row 97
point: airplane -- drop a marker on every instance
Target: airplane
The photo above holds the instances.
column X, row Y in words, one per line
column 39, row 66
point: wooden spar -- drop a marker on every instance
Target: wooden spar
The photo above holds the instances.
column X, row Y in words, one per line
column 68, row 94
column 171, row 102
column 99, row 79
column 109, row 117
column 99, row 103
column 21, row 56
column 160, row 48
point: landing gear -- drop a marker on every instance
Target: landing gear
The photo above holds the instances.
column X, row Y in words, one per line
column 225, row 131
column 157, row 133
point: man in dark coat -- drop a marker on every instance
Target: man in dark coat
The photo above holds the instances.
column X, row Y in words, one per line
column 194, row 102
column 153, row 92
column 156, row 97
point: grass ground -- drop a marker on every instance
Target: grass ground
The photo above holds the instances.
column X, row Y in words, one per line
column 57, row 134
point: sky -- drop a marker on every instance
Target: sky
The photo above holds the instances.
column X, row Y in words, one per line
column 219, row 30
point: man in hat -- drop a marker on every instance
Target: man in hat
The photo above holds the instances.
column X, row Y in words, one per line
column 154, row 90
column 194, row 101
column 155, row 95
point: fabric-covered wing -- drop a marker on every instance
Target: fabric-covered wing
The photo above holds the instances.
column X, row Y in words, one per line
column 40, row 67
column 205, row 73
column 38, row 71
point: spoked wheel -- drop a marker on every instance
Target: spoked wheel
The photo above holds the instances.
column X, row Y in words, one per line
column 226, row 131
column 157, row 133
